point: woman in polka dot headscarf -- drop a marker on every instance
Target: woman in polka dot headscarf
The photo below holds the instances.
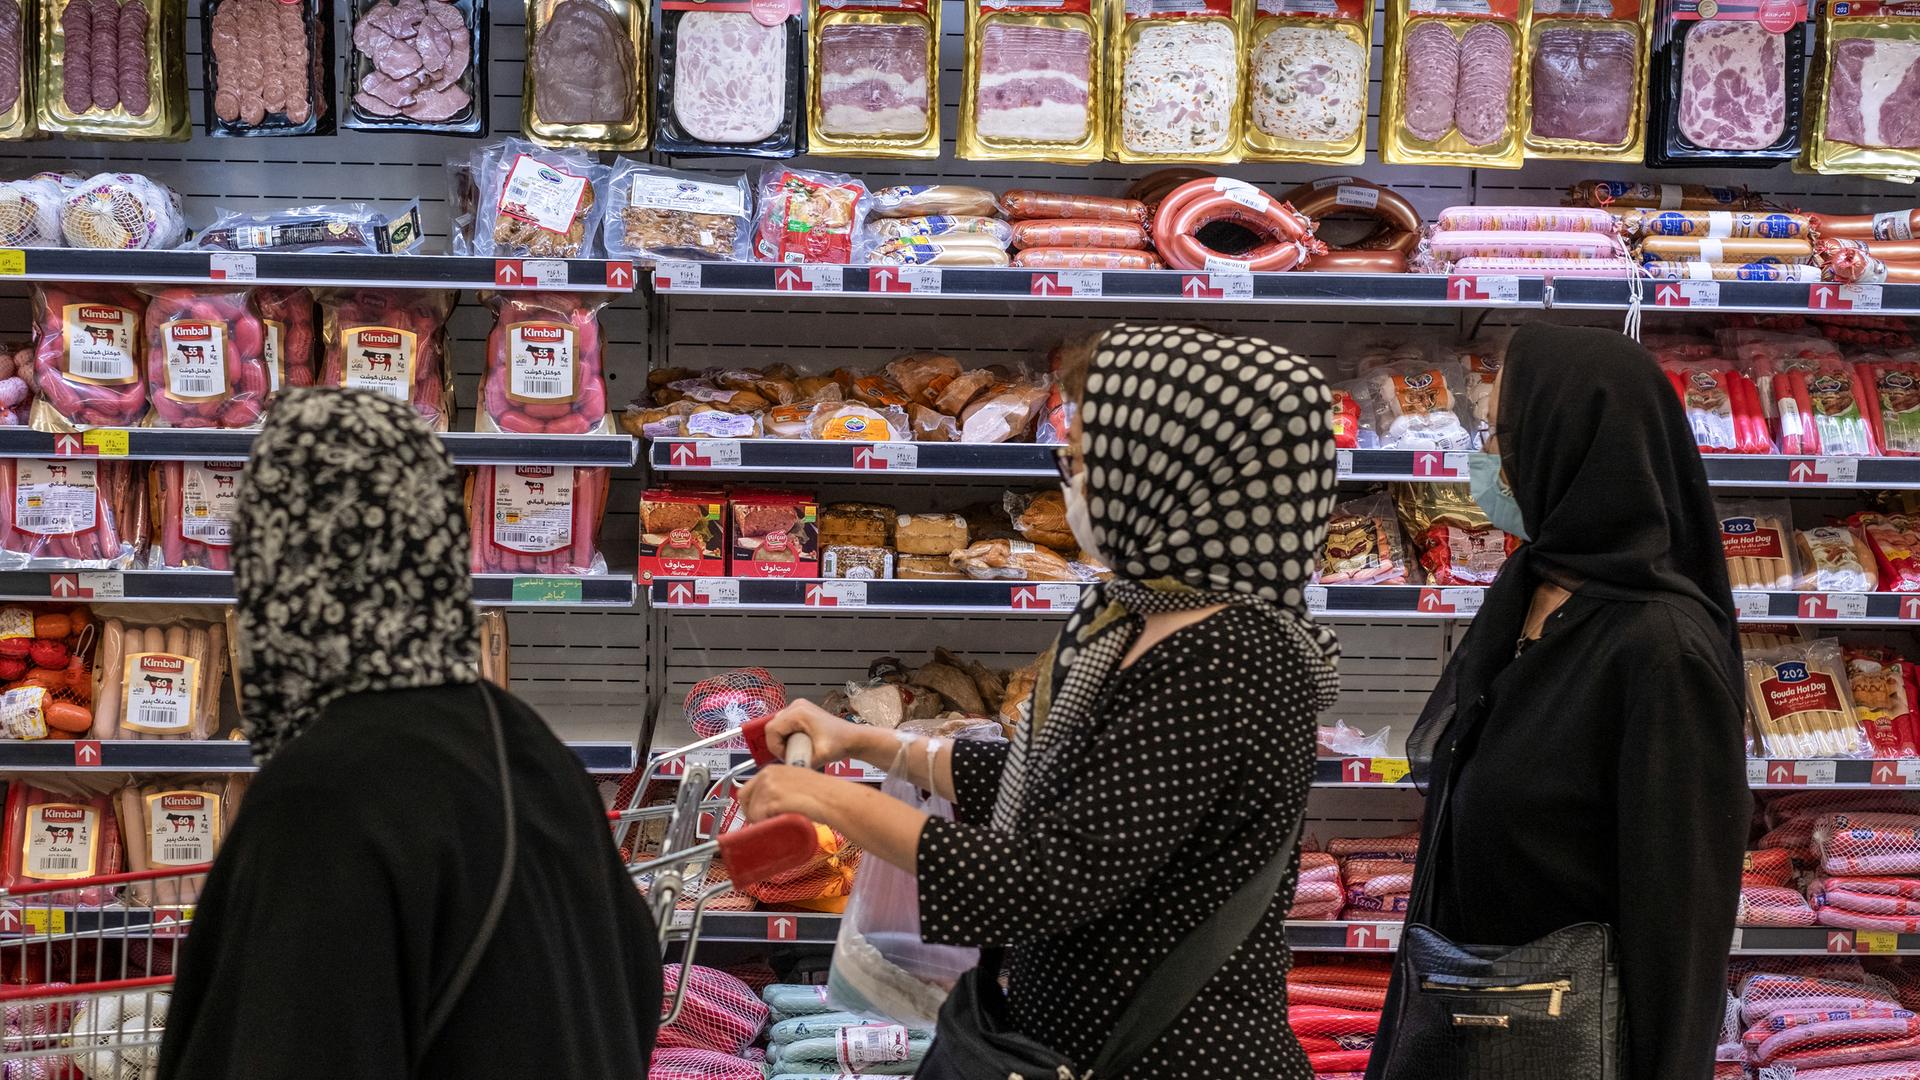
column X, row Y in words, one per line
column 1169, row 748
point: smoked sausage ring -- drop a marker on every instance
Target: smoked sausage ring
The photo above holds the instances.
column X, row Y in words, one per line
column 1399, row 223
column 1156, row 186
column 1285, row 235
column 1344, row 261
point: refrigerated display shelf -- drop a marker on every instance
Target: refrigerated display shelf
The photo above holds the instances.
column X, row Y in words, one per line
column 214, row 587
column 206, row 444
column 219, row 756
column 296, row 268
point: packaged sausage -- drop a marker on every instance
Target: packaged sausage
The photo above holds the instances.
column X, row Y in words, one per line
column 267, row 67
column 331, row 228
column 729, row 78
column 807, row 217
column 683, row 533
column 193, row 504
column 157, row 674
column 933, row 199
column 1894, row 540
column 1862, row 116
column 1883, row 695
column 52, row 838
column 773, row 533
column 1786, row 250
column 1174, row 81
column 538, row 202
column 584, row 83
column 875, row 86
column 495, row 649
column 952, row 249
column 286, row 317
column 171, row 822
column 1727, row 83
column 1893, row 387
column 1587, row 78
column 1833, row 558
column 1031, row 87
column 1454, row 541
column 206, row 360
column 87, row 357
column 544, row 365
column 113, row 69
column 1772, row 224
column 390, row 342
column 1801, row 704
column 418, row 66
column 1757, row 540
column 1709, row 271
column 1819, row 402
column 656, row 213
column 1306, row 97
column 537, row 519
column 1363, row 545
column 1417, row 407
column 71, row 513
column 1640, row 194
column 1451, row 91
column 46, row 688
column 16, row 70
column 1722, row 406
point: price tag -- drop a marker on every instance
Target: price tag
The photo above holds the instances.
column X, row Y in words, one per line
column 103, row 584
column 717, row 591
column 837, row 594
column 13, row 262
column 1738, row 938
column 1838, row 470
column 1377, row 770
column 231, row 266
column 1756, row 772
column 1059, row 597
column 1848, row 605
column 1493, row 289
column 1875, row 941
column 1384, row 937
column 1343, row 464
column 548, row 590
column 1751, row 605
column 44, row 920
column 1317, row 599
column 854, row 770
column 546, row 273
column 1829, row 297
column 671, row 276
column 1078, row 282
column 888, row 456
column 1218, row 285
column 106, row 442
column 924, row 280
column 1686, row 294
column 715, row 761
column 1465, row 600
column 1799, row 773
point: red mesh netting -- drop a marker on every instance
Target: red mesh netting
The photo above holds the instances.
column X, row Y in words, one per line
column 825, row 881
column 681, row 1063
column 756, row 973
column 1774, row 905
column 719, row 1013
column 1868, row 843
column 728, row 700
column 1320, row 893
column 1333, row 1007
column 1767, row 866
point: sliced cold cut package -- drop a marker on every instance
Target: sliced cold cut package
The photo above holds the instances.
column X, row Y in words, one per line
column 1031, row 86
column 1728, row 86
column 1175, row 82
column 113, row 69
column 16, row 71
column 1587, row 81
column 1307, row 82
column 584, row 82
column 729, row 79
column 418, row 65
column 1452, row 83
column 1868, row 115
column 875, row 79
column 268, row 67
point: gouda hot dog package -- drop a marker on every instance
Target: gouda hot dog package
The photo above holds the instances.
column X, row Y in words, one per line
column 1727, row 82
column 1454, row 90
column 1306, row 94
column 1866, row 114
column 585, row 81
column 113, row 69
column 1174, row 80
column 1031, row 87
column 874, row 78
column 1587, row 79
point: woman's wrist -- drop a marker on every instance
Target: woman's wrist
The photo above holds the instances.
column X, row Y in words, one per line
column 875, row 745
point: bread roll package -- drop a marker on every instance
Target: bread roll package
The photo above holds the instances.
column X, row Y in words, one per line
column 1801, row 704
column 585, row 81
column 1030, row 90
column 1307, row 72
column 874, row 78
column 113, row 69
column 1587, row 79
column 1757, row 539
column 1174, row 80
column 1726, row 83
column 729, row 77
column 1454, row 91
column 1866, row 112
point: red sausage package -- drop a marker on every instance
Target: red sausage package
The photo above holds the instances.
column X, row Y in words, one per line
column 193, row 504
column 1722, row 405
column 86, row 357
column 172, row 822
column 544, row 366
column 537, row 519
column 390, row 342
column 1893, row 399
column 46, row 683
column 206, row 358
column 1818, row 401
column 60, row 838
column 1894, row 540
column 1882, row 686
column 70, row 513
column 808, row 217
column 286, row 316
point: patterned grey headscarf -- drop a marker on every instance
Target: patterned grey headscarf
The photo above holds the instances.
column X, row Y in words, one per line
column 1210, row 475
column 350, row 561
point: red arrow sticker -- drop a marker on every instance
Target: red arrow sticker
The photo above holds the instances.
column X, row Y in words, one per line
column 619, row 275
column 887, row 280
column 508, row 272
column 1198, row 287
column 1886, row 775
column 681, row 592
column 1839, row 941
column 69, row 446
column 86, row 753
column 1815, row 606
column 66, row 586
column 789, row 279
column 1433, row 602
column 1026, row 598
column 783, row 928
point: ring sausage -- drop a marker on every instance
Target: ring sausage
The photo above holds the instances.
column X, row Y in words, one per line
column 1285, row 235
column 1079, row 258
column 1399, row 223
column 1359, row 262
column 1024, row 205
column 1892, row 225
column 1078, row 232
column 1156, row 186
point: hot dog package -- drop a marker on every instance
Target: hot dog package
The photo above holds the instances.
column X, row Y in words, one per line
column 71, row 513
column 1032, row 82
column 1834, row 558
column 1419, row 406
column 1862, row 125
column 1818, row 402
column 52, row 838
column 584, row 83
column 87, row 357
column 172, row 822
column 1893, row 387
column 1722, row 405
column 874, row 89
column 1801, row 704
column 544, row 366
column 1757, row 540
column 113, row 69
column 1727, row 81
column 287, row 320
column 1306, row 97
column 193, row 504
column 1174, row 81
column 157, row 674
column 390, row 342
column 1363, row 545
column 729, row 77
column 1587, row 77
column 206, row 359
column 1452, row 90
column 537, row 519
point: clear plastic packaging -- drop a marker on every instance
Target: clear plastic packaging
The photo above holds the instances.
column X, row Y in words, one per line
column 287, row 316
column 122, row 212
column 1456, row 544
column 77, row 513
column 537, row 202
column 1175, row 79
column 1416, row 407
column 193, row 507
column 51, row 838
column 268, row 67
column 927, row 199
column 656, row 213
column 808, row 217
column 1450, row 90
column 112, row 69
column 1834, row 558
column 418, row 67
column 331, row 228
column 1587, row 80
column 16, row 60
column 1894, row 540
column 1032, row 83
column 158, row 673
column 390, row 342
column 30, row 212
column 1818, row 400
column 205, row 358
column 1757, row 540
column 1883, row 694
column 729, row 77
column 1893, row 388
column 1363, row 545
column 1307, row 81
column 1861, row 124
column 544, row 365
column 1801, row 704
column 537, row 519
column 86, row 360
column 1338, row 739
column 1722, row 405
column 46, row 688
column 172, row 822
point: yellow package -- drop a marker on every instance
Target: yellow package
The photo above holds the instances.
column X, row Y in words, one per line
column 1866, row 110
column 1454, row 89
column 1031, row 90
column 1587, row 79
column 16, row 94
column 585, row 81
column 876, row 78
column 1306, row 95
column 1174, row 80
column 129, row 81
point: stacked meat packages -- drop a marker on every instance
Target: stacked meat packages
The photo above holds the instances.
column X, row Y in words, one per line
column 1333, row 1007
column 1377, row 872
column 1824, row 1019
column 418, row 65
column 1544, row 240
column 938, row 225
column 1054, row 231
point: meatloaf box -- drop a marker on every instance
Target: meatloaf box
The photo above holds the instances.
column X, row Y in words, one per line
column 730, row 79
column 284, row 89
column 683, row 533
column 418, row 65
column 775, row 534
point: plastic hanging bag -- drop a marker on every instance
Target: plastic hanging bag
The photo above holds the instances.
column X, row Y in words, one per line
column 205, row 358
column 1801, row 702
column 544, row 365
column 193, row 505
column 86, row 357
column 157, row 674
column 336, row 228
column 808, row 217
column 173, row 822
column 52, row 838
column 537, row 202
column 79, row 513
column 392, row 343
column 537, row 519
column 46, row 686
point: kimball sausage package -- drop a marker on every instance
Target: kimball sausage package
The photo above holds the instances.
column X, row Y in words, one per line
column 418, row 65
column 1306, row 96
column 193, row 504
column 53, row 837
column 172, row 822
column 113, row 69
column 86, row 357
column 206, row 358
column 80, row 513
column 1866, row 107
column 1454, row 89
column 537, row 519
column 585, row 85
column 875, row 87
column 1587, row 78
column 729, row 78
column 1174, row 80
column 158, row 674
column 267, row 67
column 1727, row 82
column 1031, row 90
column 544, row 366
column 390, row 342
column 17, row 53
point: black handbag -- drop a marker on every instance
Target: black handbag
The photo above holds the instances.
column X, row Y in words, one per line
column 975, row 1040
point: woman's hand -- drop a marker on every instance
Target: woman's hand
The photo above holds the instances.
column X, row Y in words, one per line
column 834, row 739
column 783, row 789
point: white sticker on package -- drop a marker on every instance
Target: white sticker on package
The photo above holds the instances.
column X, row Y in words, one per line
column 540, row 361
column 533, row 508
column 100, row 343
column 687, row 196
column 874, row 1044
column 209, row 491
column 539, row 193
column 159, row 692
column 185, row 827
column 196, row 359
column 23, row 713
column 15, row 622
column 273, row 351
column 380, row 359
column 56, row 498
column 60, row 842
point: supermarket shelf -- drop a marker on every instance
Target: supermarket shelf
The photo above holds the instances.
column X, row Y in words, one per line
column 719, row 595
column 381, row 271
column 1318, row 936
column 1383, row 937
column 1736, row 296
column 761, row 926
column 804, row 457
column 1795, row 775
column 209, row 587
column 1361, row 772
column 1723, row 470
column 172, row 444
column 221, row 756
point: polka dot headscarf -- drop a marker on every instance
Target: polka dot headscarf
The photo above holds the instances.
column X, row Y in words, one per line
column 1210, row 475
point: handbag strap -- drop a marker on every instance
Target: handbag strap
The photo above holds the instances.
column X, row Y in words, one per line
column 1178, row 979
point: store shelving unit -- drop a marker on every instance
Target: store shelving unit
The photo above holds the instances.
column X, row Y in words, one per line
column 369, row 271
column 215, row 587
column 221, row 756
column 210, row 444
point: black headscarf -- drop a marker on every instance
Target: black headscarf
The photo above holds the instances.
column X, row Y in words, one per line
column 1611, row 490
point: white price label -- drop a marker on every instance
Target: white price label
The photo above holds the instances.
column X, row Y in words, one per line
column 704, row 454
column 1465, row 600
column 1686, row 294
column 1848, row 605
column 1828, row 297
column 1343, row 463
column 722, row 453
column 1785, row 773
column 671, row 275
column 231, row 266
column 716, row 761
column 906, row 279
column 103, row 584
column 1751, row 605
column 1316, row 599
column 1231, row 285
column 1904, row 772
column 547, row 273
column 1838, row 470
column 1477, row 288
column 1756, row 772
column 837, row 594
column 886, row 455
column 717, row 591
column 822, row 278
column 1058, row 597
column 1078, row 282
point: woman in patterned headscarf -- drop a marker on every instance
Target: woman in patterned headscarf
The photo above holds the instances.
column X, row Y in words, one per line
column 371, row 914
column 1167, row 756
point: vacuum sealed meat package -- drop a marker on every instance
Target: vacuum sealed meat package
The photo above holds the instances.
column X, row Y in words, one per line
column 392, row 343
column 808, row 217
column 1450, row 95
column 538, row 203
column 1176, row 82
column 1867, row 118
column 1722, row 406
column 173, row 822
column 657, row 213
column 206, row 358
column 1893, row 388
column 158, row 674
column 1031, row 85
column 1834, row 558
column 537, row 519
column 1453, row 539
column 1307, row 82
column 544, row 365
column 1801, row 703
column 286, row 317
column 584, row 85
column 16, row 71
column 122, row 212
column 1728, row 83
column 729, row 79
column 1757, row 540
column 875, row 79
column 1588, row 76
column 268, row 67
column 1363, row 545
column 52, row 838
column 113, row 69
column 1415, row 407
column 193, row 505
column 1894, row 540
column 80, row 513
column 418, row 65
column 339, row 228
column 87, row 357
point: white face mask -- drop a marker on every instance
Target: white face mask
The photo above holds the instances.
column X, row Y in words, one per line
column 1080, row 519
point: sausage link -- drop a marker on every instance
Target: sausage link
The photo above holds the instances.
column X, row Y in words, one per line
column 1024, row 205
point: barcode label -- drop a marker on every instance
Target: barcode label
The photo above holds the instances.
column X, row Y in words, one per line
column 59, row 862
column 91, row 365
column 542, row 387
column 196, row 357
column 193, row 387
column 55, row 498
column 159, row 691
column 156, row 717
column 538, row 538
column 533, row 508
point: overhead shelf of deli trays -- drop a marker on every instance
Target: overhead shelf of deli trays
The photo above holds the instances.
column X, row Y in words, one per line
column 214, row 444
column 220, row 756
column 212, row 587
column 294, row 268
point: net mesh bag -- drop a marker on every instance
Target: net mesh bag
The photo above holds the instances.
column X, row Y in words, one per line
column 1868, row 844
column 120, row 211
column 1319, row 893
column 1805, row 1025
column 687, row 1063
column 1767, row 866
column 824, row 881
column 724, row 702
column 1813, row 804
column 719, row 1012
column 30, row 213
column 1774, row 905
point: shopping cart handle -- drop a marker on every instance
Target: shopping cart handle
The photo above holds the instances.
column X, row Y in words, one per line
column 768, row 848
column 799, row 744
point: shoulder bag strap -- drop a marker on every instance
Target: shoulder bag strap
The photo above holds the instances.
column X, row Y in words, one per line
column 1175, row 982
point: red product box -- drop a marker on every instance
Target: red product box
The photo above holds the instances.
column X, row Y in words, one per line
column 683, row 533
column 774, row 534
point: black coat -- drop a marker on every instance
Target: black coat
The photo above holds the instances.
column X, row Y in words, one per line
column 357, row 874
